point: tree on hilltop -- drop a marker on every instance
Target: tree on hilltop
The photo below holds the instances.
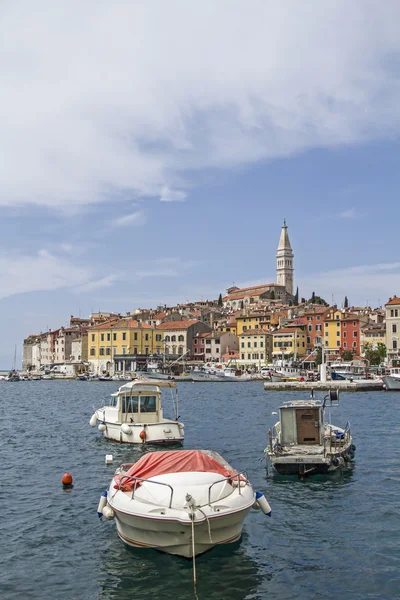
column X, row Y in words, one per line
column 296, row 297
column 220, row 303
column 346, row 302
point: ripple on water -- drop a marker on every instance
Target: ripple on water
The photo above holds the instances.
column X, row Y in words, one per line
column 329, row 536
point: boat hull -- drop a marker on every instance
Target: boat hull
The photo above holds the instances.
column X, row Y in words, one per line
column 175, row 537
column 311, row 465
column 164, row 433
column 391, row 382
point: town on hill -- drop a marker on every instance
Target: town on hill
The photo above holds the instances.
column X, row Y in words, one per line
column 249, row 327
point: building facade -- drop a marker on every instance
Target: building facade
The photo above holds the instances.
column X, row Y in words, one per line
column 289, row 342
column 177, row 337
column 255, row 347
column 393, row 331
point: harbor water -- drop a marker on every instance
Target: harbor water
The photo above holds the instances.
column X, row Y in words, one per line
column 328, row 537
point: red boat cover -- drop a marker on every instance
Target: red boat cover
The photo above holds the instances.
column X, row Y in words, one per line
column 161, row 463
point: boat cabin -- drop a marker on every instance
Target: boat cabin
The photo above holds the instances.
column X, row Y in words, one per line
column 137, row 402
column 395, row 371
column 301, row 423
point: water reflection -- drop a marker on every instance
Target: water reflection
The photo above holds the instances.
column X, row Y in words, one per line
column 224, row 572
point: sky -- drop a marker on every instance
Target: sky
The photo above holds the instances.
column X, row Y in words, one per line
column 150, row 150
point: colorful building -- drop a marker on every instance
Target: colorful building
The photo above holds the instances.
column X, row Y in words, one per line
column 252, row 320
column 313, row 320
column 116, row 345
column 289, row 342
column 177, row 337
column 255, row 347
column 393, row 331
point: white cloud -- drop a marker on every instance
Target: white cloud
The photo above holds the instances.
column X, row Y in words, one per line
column 167, row 267
column 360, row 283
column 350, row 213
column 168, row 195
column 43, row 272
column 96, row 284
column 136, row 219
column 133, row 95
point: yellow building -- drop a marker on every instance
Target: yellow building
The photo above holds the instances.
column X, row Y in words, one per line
column 373, row 335
column 121, row 337
column 332, row 331
column 228, row 326
column 256, row 320
column 289, row 342
column 254, row 347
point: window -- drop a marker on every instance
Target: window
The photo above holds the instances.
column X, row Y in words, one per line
column 256, row 327
column 396, row 312
column 261, row 344
column 217, row 350
column 355, row 333
column 130, row 404
column 123, row 336
column 338, row 343
column 92, row 351
column 345, row 345
column 135, row 350
column 101, row 351
column 92, row 337
column 249, row 344
column 394, row 328
column 102, row 337
column 344, row 324
column 180, row 338
column 354, row 344
column 344, row 334
column 261, row 355
column 318, row 318
column 158, row 337
column 354, row 323
column 173, row 338
column 146, row 337
column 308, row 340
column 310, row 328
column 108, row 351
column 338, row 324
column 148, row 404
column 326, row 333
column 242, row 345
column 242, row 356
column 114, row 351
column 394, row 344
column 108, row 337
column 167, row 338
column 337, row 333
column 255, row 344
column 123, row 349
column 249, row 357
column 146, row 351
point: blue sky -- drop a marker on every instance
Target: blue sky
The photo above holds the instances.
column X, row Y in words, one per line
column 151, row 152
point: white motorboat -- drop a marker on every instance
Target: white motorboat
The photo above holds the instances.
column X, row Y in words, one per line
column 302, row 443
column 134, row 415
column 392, row 381
column 182, row 502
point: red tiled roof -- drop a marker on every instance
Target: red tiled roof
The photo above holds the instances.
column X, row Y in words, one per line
column 121, row 324
column 175, row 325
column 287, row 330
column 160, row 315
column 393, row 301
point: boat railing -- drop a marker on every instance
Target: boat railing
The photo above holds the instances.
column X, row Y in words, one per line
column 140, row 479
column 334, row 443
column 241, row 477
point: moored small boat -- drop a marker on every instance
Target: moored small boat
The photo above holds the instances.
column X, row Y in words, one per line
column 392, row 381
column 182, row 502
column 134, row 415
column 302, row 443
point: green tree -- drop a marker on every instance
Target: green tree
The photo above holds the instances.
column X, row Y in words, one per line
column 303, row 300
column 346, row 302
column 220, row 303
column 347, row 355
column 318, row 357
column 375, row 356
column 312, row 299
column 272, row 295
column 296, row 297
column 317, row 300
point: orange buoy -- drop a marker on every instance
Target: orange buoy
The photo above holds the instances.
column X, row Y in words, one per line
column 142, row 435
column 66, row 479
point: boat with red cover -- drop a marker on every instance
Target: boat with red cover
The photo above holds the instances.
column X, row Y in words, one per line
column 181, row 502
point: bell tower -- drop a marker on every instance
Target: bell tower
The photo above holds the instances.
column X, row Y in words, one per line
column 284, row 261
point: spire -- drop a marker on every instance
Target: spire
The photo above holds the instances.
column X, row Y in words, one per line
column 284, row 242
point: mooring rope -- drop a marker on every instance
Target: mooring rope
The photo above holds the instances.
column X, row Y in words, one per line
column 194, row 559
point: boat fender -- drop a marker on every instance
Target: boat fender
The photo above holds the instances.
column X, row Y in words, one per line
column 143, row 435
column 335, row 461
column 108, row 512
column 263, row 504
column 126, row 429
column 352, row 448
column 102, row 427
column 93, row 420
column 102, row 503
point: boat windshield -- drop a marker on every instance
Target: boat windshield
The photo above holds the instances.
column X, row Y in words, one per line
column 112, row 401
column 148, row 404
column 130, row 404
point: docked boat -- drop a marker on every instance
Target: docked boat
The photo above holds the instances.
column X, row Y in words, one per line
column 134, row 415
column 285, row 373
column 392, row 381
column 13, row 376
column 302, row 443
column 182, row 502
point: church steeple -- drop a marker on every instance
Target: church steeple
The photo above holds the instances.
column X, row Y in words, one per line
column 284, row 260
